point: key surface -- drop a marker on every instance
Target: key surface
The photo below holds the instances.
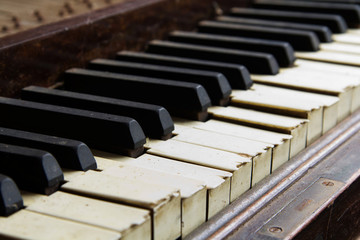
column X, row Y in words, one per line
column 179, row 98
column 27, row 225
column 130, row 222
column 163, row 201
column 155, row 120
column 216, row 84
column 117, row 133
column 297, row 127
column 217, row 181
column 193, row 191
column 299, row 39
column 261, row 63
column 282, row 51
column 10, row 197
column 350, row 12
column 237, row 75
column 239, row 166
column 281, row 142
column 322, row 32
column 69, row 153
column 335, row 22
column 31, row 169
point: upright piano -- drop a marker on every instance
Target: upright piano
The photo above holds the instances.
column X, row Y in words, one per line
column 222, row 119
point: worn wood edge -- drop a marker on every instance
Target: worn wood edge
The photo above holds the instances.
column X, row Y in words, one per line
column 236, row 214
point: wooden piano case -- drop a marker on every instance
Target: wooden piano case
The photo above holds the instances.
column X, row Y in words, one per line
column 316, row 195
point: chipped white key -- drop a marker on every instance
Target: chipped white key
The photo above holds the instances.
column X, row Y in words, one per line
column 259, row 152
column 285, row 105
column 217, row 182
column 26, row 224
column 163, row 201
column 294, row 126
column 281, row 142
column 328, row 103
column 316, row 81
column 130, row 222
column 193, row 191
column 239, row 166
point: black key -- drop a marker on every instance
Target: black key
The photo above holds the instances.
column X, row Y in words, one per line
column 69, row 153
column 300, row 40
column 179, row 98
column 10, row 197
column 237, row 75
column 98, row 130
column 256, row 62
column 321, row 31
column 154, row 120
column 32, row 169
column 350, row 12
column 334, row 22
column 216, row 85
column 282, row 51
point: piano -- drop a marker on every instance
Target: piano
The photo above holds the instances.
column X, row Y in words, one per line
column 166, row 119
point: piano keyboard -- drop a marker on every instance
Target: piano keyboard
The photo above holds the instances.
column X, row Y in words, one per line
column 150, row 145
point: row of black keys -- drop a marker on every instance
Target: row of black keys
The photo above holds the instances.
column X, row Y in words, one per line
column 189, row 73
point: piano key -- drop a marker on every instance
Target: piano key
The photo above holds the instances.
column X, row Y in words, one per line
column 31, row 169
column 347, row 38
column 281, row 142
column 119, row 134
column 350, row 12
column 154, row 120
column 216, row 84
column 330, row 103
column 296, row 105
column 10, row 197
column 164, row 202
column 296, row 127
column 69, row 153
column 335, row 22
column 282, row 51
column 261, row 63
column 300, row 40
column 237, row 75
column 316, row 81
column 217, row 181
column 341, row 47
column 25, row 224
column 192, row 191
column 130, row 222
column 322, row 32
column 239, row 166
column 169, row 94
column 259, row 152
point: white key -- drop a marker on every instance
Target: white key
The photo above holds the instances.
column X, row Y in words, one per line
column 163, row 201
column 283, row 104
column 217, row 182
column 259, row 152
column 130, row 222
column 26, row 224
column 329, row 103
column 281, row 142
column 193, row 191
column 316, row 81
column 294, row 126
column 239, row 166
